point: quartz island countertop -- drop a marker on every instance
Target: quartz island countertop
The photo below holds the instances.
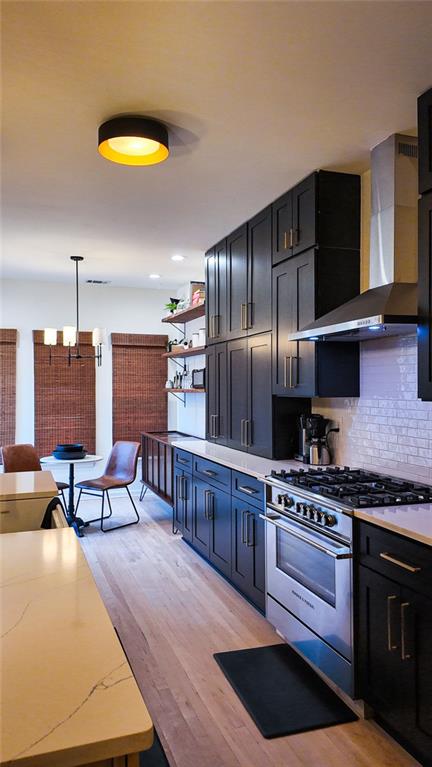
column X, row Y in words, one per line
column 68, row 694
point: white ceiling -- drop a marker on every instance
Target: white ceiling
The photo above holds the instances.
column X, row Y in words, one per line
column 257, row 95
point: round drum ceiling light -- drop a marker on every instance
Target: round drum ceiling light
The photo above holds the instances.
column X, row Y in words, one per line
column 133, row 141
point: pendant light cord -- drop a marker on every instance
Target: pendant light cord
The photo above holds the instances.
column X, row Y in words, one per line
column 77, row 308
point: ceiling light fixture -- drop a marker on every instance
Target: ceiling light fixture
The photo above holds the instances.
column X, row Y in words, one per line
column 154, row 276
column 71, row 333
column 177, row 257
column 133, row 140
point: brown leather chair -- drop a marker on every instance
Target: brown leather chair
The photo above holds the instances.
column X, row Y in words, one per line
column 25, row 458
column 120, row 472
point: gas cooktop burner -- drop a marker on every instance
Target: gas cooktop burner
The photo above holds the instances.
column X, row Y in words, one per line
column 356, row 488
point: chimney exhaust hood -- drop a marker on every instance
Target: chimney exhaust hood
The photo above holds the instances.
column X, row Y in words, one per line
column 389, row 306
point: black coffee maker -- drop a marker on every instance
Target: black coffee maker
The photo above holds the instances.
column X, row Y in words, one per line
column 312, row 431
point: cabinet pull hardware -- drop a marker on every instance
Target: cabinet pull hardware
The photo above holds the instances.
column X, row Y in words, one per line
column 399, row 563
column 404, row 654
column 248, row 433
column 210, row 473
column 296, row 236
column 212, row 426
column 243, row 317
column 210, row 332
column 291, row 386
column 285, row 241
column 285, row 372
column 390, row 645
column 247, row 490
column 183, row 460
column 249, row 315
column 243, row 535
column 216, row 426
column 206, row 503
column 178, row 487
column 291, row 238
column 251, row 517
column 242, row 440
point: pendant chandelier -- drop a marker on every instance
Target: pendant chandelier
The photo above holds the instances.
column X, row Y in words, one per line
column 71, row 333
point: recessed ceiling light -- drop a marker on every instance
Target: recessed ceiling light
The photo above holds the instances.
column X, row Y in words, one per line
column 177, row 257
column 154, row 276
column 132, row 140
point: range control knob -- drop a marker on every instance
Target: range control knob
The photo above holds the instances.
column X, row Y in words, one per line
column 313, row 513
column 320, row 517
column 330, row 520
column 288, row 501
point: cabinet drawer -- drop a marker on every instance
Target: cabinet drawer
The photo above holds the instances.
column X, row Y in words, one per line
column 212, row 472
column 183, row 459
column 405, row 561
column 247, row 488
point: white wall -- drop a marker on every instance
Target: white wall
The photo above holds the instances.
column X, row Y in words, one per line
column 29, row 305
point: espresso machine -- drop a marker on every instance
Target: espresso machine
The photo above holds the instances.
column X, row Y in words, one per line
column 313, row 444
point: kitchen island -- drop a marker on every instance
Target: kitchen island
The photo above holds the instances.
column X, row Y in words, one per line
column 69, row 697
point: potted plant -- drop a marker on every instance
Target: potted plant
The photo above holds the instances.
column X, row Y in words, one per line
column 171, row 306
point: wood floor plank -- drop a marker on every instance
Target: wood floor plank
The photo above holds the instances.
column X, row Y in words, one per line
column 173, row 611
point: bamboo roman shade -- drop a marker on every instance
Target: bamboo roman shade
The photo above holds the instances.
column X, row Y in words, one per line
column 8, row 341
column 139, row 375
column 65, row 396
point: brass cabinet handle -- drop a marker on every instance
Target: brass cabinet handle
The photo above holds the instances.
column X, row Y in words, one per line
column 243, row 319
column 285, row 241
column 390, row 602
column 291, row 238
column 404, row 654
column 399, row 563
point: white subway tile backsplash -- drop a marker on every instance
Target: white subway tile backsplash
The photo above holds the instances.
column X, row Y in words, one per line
column 387, row 428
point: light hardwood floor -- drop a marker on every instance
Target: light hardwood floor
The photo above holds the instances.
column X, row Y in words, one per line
column 172, row 612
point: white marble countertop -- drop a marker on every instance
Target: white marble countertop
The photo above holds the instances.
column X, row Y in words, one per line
column 68, row 693
column 412, row 521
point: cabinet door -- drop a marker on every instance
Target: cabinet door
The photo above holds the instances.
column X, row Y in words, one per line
column 383, row 678
column 210, row 392
column 219, row 511
column 186, row 492
column 216, row 389
column 237, row 292
column 304, row 214
column 425, row 141
column 216, row 292
column 259, row 393
column 247, row 560
column 259, row 273
column 282, row 217
column 200, row 517
column 424, row 335
column 237, row 376
column 284, row 303
column 416, row 659
column 296, row 369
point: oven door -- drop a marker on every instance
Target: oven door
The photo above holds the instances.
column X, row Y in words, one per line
column 310, row 575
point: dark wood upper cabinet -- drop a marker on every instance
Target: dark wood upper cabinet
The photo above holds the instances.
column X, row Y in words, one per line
column 305, row 287
column 259, row 424
column 216, row 389
column 425, row 248
column 259, row 272
column 216, row 287
column 237, row 387
column 237, row 284
column 425, row 141
column 323, row 209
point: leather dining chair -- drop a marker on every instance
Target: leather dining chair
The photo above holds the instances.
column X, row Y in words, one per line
column 25, row 458
column 120, row 472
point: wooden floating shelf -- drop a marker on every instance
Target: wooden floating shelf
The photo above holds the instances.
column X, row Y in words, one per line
column 186, row 352
column 186, row 391
column 185, row 315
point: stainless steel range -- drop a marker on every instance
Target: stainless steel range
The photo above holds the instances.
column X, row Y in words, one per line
column 309, row 578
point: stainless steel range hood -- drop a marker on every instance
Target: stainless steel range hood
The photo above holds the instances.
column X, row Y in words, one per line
column 389, row 306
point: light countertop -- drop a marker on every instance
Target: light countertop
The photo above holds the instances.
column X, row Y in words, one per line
column 69, row 696
column 412, row 521
column 250, row 464
column 27, row 484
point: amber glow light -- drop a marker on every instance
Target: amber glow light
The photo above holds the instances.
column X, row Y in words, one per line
column 133, row 140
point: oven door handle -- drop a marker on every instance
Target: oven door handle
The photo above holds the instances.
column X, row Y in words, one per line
column 345, row 554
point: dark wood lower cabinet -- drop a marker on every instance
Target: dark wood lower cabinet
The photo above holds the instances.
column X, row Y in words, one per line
column 248, row 551
column 211, row 529
column 394, row 653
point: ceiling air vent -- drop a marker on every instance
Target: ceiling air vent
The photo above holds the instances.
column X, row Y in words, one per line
column 99, row 282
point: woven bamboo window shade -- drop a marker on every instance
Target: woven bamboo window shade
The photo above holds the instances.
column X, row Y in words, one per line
column 139, row 375
column 8, row 340
column 65, row 396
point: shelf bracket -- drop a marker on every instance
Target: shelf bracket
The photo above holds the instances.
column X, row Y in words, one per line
column 180, row 397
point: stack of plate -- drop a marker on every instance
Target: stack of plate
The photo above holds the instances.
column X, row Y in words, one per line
column 70, row 452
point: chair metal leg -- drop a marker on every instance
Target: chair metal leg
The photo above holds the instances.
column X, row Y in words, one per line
column 126, row 524
column 143, row 491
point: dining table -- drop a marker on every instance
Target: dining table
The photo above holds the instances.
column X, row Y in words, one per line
column 73, row 521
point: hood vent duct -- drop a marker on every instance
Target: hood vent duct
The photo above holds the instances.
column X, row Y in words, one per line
column 389, row 306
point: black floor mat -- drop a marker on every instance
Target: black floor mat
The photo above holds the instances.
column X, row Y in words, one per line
column 281, row 692
column 154, row 756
